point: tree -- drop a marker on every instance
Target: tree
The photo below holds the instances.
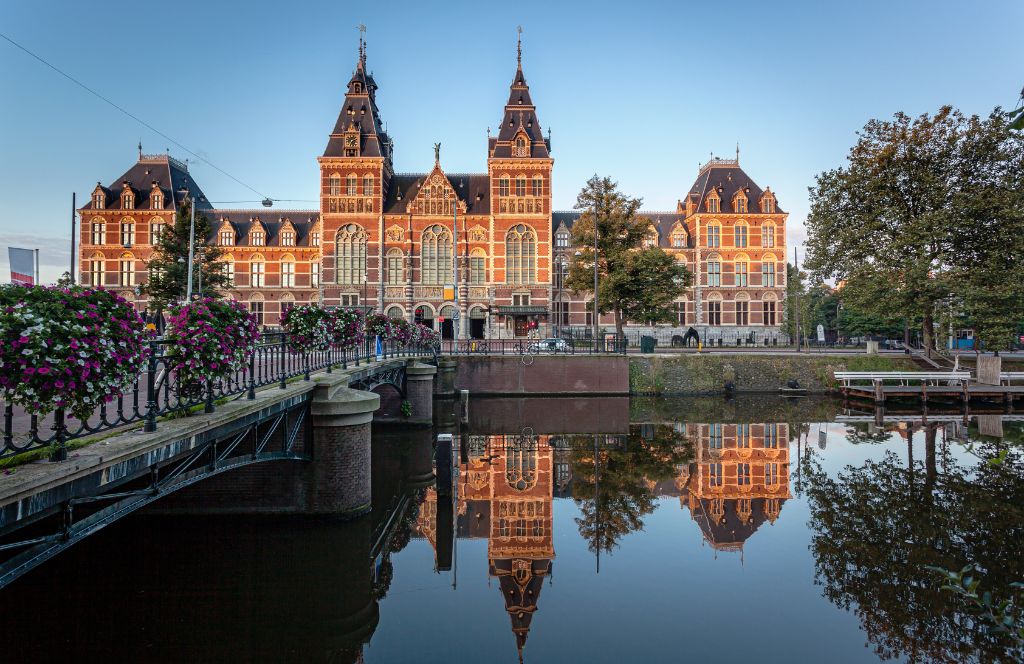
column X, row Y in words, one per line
column 634, row 283
column 921, row 216
column 168, row 267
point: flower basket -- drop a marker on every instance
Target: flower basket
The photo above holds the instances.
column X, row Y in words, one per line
column 308, row 328
column 71, row 348
column 347, row 329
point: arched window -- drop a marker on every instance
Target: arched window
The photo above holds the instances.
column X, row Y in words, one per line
column 350, row 186
column 436, row 255
column 287, row 271
column 768, row 272
column 714, row 235
column 741, row 204
column 96, row 270
column 741, row 267
column 99, row 232
column 521, row 255
column 127, row 232
column 521, row 185
column 714, row 270
column 334, row 186
column 228, row 266
column 156, row 229
column 768, row 235
column 395, row 312
column 350, row 254
column 126, row 270
column 521, row 464
column 740, row 232
column 257, row 269
column 538, row 186
column 396, row 266
column 367, row 185
column 478, row 267
column 713, row 202
column 503, row 185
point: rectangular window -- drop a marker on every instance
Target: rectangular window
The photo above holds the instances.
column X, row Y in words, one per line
column 678, row 241
column 743, row 313
column 562, row 240
column 314, row 239
column 743, row 435
column 520, row 299
column 256, row 239
column 288, row 239
column 768, row 275
column 127, row 276
column 768, row 236
column 256, row 274
column 743, row 477
column 477, row 271
column 349, row 300
column 314, row 275
column 99, row 233
column 715, row 436
column 128, row 234
column 227, row 238
column 714, row 273
column 229, row 272
column 771, row 474
column 716, row 474
column 741, row 274
column 769, row 313
column 520, row 186
column 771, row 435
column 714, row 313
column 367, row 185
column 681, row 313
column 155, row 231
column 350, row 185
column 741, row 207
column 257, row 309
column 287, row 275
column 503, row 187
column 714, row 235
column 334, row 188
column 96, row 272
column 538, row 187
column 741, row 236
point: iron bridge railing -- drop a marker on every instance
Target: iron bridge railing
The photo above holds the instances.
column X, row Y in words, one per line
column 534, row 347
column 157, row 392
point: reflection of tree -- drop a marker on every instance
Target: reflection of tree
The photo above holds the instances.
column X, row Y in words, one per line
column 866, row 433
column 615, row 490
column 396, row 541
column 877, row 527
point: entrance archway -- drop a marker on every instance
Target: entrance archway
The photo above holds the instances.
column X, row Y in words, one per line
column 447, row 317
column 477, row 322
column 424, row 314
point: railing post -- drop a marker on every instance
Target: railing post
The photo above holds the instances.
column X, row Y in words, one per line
column 305, row 360
column 284, row 372
column 329, row 349
column 151, row 409
column 9, row 426
column 252, row 376
column 208, row 407
column 60, row 450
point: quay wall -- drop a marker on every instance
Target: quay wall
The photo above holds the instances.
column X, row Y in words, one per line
column 545, row 375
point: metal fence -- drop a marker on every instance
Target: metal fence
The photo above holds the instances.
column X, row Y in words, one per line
column 159, row 391
column 533, row 347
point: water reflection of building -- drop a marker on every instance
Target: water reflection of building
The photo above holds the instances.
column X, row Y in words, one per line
column 739, row 479
column 504, row 493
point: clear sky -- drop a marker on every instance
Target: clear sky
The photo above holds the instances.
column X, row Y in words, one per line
column 640, row 91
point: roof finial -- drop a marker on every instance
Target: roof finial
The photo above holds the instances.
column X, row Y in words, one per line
column 519, row 46
column 362, row 45
column 437, row 154
column 140, row 149
column 737, row 153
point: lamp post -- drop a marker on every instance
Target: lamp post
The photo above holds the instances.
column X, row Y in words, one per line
column 596, row 313
column 456, row 318
column 839, row 306
column 191, row 242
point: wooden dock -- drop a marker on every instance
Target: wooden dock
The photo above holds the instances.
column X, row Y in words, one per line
column 880, row 386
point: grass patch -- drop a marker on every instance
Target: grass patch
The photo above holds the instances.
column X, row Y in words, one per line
column 42, row 453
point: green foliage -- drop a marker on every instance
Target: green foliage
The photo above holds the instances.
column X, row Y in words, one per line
column 406, row 408
column 168, row 267
column 634, row 283
column 925, row 216
column 1004, row 616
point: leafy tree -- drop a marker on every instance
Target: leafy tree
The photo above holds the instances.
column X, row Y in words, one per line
column 168, row 267
column 634, row 283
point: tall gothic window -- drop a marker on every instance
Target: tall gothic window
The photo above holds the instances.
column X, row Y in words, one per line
column 314, row 275
column 96, row 270
column 436, row 255
column 503, row 185
column 287, row 274
column 367, row 185
column 98, row 200
column 350, row 254
column 741, row 273
column 741, row 204
column 396, row 266
column 350, row 185
column 714, row 272
column 521, row 464
column 538, row 186
column 256, row 272
column 768, row 274
column 742, row 312
column 477, row 267
column 521, row 185
column 521, row 255
column 334, row 186
column 126, row 270
column 156, row 229
column 741, row 236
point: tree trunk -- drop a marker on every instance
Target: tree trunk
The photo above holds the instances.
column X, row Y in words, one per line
column 928, row 330
column 618, row 323
column 930, row 467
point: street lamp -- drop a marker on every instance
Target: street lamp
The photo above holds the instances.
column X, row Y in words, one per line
column 456, row 319
column 839, row 306
column 596, row 314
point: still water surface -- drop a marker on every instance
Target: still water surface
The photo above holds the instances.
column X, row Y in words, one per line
column 597, row 530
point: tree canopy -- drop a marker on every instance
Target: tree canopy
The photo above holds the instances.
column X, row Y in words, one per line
column 926, row 215
column 634, row 282
column 168, row 267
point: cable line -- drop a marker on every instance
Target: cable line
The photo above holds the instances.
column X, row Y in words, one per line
column 134, row 117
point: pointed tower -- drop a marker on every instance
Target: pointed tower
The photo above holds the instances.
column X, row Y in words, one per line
column 519, row 166
column 355, row 170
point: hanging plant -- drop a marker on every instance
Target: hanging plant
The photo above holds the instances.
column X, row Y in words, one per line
column 347, row 329
column 209, row 340
column 308, row 327
column 71, row 348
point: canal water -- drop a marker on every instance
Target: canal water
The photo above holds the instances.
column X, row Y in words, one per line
column 565, row 530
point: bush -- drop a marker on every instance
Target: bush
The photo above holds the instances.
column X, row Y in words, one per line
column 71, row 348
column 308, row 327
column 209, row 340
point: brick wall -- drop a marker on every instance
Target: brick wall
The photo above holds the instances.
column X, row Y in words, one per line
column 546, row 375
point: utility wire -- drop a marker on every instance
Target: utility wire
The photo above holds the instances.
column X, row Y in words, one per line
column 129, row 114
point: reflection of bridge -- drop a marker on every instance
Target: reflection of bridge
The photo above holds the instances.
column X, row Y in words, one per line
column 323, row 423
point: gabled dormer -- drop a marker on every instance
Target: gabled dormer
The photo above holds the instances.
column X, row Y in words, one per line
column 739, row 202
column 257, row 233
column 99, row 197
column 127, row 196
column 156, row 197
column 436, row 194
column 712, row 202
column 286, row 234
column 767, row 201
column 226, row 233
column 315, row 233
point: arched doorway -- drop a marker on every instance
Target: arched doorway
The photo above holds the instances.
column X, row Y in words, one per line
column 447, row 318
column 477, row 322
column 424, row 314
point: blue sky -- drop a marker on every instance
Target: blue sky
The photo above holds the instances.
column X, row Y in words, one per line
column 641, row 91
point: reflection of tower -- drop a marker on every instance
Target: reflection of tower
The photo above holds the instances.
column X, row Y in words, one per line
column 739, row 481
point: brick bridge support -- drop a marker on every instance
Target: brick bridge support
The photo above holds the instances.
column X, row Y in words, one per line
column 419, row 390
column 340, row 473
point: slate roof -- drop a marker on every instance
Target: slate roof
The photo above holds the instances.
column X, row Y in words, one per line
column 360, row 108
column 169, row 174
column 520, row 115
column 243, row 221
column 731, row 532
column 474, row 191
column 727, row 177
column 662, row 222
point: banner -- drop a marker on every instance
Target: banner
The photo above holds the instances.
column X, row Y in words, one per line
column 379, row 349
column 22, row 266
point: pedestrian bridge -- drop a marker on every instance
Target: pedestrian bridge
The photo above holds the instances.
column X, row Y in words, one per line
column 322, row 421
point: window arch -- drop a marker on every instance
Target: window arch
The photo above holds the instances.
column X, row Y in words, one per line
column 395, row 311
column 287, row 271
column 126, row 270
column 396, row 266
column 127, row 232
column 478, row 267
column 257, row 270
column 521, row 255
column 714, row 235
column 436, row 254
column 99, row 231
column 768, row 235
column 521, row 465
column 334, row 185
column 350, row 254
column 740, row 234
column 97, row 269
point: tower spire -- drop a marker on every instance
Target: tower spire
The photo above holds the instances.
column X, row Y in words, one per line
column 519, row 46
column 737, row 152
column 362, row 46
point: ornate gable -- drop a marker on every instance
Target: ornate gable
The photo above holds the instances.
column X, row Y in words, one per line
column 436, row 194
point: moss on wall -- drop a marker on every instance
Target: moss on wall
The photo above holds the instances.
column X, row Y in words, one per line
column 708, row 373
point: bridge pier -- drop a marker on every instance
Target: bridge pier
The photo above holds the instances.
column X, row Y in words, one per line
column 419, row 390
column 340, row 472
column 444, row 385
